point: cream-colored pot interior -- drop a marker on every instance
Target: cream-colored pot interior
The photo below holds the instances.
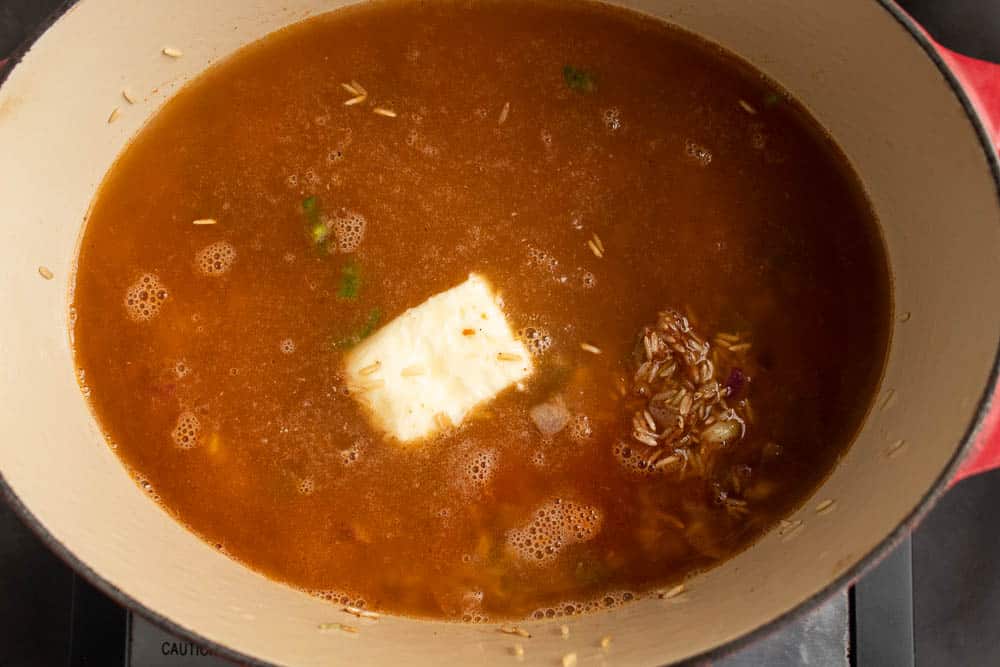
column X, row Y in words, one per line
column 851, row 62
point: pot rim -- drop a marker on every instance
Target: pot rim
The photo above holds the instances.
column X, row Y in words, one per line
column 851, row 575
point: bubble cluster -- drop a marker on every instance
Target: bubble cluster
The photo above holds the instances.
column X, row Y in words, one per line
column 287, row 346
column 573, row 608
column 292, row 181
column 480, row 467
column 185, row 433
column 631, row 459
column 538, row 458
column 470, row 604
column 144, row 297
column 546, row 138
column 181, row 369
column 474, row 467
column 543, row 259
column 588, row 280
column 579, row 428
column 306, row 486
column 555, row 525
column 349, row 228
column 475, row 618
column 215, row 259
column 341, row 598
column 698, row 153
column 352, row 454
column 335, row 156
column 147, row 487
column 612, row 119
column 536, row 339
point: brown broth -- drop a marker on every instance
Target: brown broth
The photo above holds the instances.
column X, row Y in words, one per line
column 773, row 238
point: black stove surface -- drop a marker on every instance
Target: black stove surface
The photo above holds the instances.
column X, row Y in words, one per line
column 934, row 601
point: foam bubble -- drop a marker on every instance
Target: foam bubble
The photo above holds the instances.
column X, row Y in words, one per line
column 579, row 428
column 611, row 600
column 147, row 486
column 554, row 526
column 352, row 454
column 287, row 346
column 588, row 280
column 537, row 339
column 546, row 138
column 349, row 228
column 144, row 297
column 186, row 432
column 181, row 369
column 292, row 181
column 475, row 618
column 480, row 468
column 215, row 259
column 566, row 608
column 475, row 467
column 612, row 119
column 340, row 597
column 543, row 259
column 698, row 153
column 631, row 458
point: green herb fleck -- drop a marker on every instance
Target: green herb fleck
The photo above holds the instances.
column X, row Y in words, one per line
column 579, row 80
column 366, row 330
column 318, row 231
column 350, row 281
column 310, row 206
column 771, row 99
column 373, row 317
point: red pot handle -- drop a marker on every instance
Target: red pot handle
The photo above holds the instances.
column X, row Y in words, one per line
column 981, row 81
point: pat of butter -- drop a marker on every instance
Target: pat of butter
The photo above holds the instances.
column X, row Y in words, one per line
column 437, row 361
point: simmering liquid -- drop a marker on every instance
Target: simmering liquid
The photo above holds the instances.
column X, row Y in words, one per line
column 598, row 168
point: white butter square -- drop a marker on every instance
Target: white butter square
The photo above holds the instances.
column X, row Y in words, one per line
column 437, row 361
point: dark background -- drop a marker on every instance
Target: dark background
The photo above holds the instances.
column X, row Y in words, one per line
column 956, row 551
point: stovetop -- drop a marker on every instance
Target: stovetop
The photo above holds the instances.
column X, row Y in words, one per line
column 934, row 601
